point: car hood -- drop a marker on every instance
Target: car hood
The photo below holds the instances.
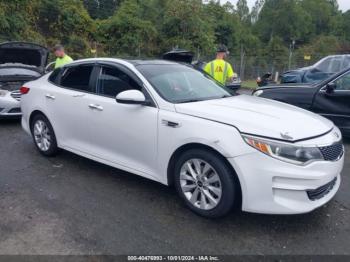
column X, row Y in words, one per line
column 27, row 54
column 261, row 117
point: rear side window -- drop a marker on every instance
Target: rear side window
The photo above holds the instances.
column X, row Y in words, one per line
column 78, row 78
column 113, row 81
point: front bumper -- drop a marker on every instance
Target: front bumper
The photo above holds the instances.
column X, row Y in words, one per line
column 271, row 186
column 10, row 107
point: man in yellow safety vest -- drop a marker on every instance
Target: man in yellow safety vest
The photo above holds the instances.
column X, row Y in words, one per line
column 61, row 57
column 219, row 69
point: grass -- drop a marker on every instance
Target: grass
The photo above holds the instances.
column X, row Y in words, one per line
column 250, row 84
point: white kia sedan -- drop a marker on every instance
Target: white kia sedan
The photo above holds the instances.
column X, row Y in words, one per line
column 170, row 123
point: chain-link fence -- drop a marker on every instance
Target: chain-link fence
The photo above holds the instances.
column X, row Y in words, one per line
column 250, row 67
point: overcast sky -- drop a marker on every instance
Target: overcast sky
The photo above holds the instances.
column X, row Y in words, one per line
column 343, row 4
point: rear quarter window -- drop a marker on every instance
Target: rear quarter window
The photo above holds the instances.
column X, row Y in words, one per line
column 53, row 78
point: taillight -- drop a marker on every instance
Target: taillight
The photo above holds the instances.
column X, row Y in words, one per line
column 24, row 90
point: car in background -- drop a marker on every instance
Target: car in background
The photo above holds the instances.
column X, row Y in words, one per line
column 20, row 62
column 329, row 98
column 323, row 69
column 175, row 125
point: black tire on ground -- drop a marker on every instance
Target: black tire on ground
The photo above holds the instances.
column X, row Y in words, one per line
column 53, row 148
column 229, row 182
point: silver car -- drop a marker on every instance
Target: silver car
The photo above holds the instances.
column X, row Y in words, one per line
column 19, row 63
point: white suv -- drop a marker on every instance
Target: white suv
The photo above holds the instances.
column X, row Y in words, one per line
column 175, row 125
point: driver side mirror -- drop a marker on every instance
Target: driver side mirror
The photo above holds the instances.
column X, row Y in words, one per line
column 131, row 97
column 331, row 87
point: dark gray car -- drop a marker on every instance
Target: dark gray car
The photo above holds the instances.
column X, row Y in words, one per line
column 320, row 71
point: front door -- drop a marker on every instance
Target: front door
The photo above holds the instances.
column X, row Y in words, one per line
column 123, row 134
column 336, row 105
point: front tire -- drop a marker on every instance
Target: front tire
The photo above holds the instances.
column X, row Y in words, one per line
column 206, row 183
column 44, row 136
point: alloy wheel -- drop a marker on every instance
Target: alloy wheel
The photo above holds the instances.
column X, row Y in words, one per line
column 42, row 135
column 200, row 184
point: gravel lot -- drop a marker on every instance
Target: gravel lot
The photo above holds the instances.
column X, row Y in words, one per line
column 71, row 205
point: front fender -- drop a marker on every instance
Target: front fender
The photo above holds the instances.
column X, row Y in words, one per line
column 224, row 139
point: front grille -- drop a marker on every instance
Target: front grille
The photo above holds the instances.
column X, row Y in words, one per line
column 321, row 191
column 16, row 95
column 333, row 152
column 15, row 110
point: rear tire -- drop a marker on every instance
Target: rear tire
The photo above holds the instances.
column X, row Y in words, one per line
column 44, row 136
column 206, row 183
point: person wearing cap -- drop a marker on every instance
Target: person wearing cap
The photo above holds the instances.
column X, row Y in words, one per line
column 61, row 57
column 219, row 69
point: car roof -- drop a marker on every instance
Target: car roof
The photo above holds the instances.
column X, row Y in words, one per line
column 150, row 62
column 123, row 61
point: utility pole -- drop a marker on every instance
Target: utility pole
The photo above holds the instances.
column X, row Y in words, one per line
column 242, row 63
column 291, row 49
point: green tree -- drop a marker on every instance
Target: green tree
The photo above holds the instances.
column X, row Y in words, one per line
column 18, row 19
column 243, row 10
column 285, row 19
column 128, row 33
column 101, row 9
column 323, row 14
column 186, row 25
column 66, row 22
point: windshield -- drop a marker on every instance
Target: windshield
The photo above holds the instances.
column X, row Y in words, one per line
column 181, row 84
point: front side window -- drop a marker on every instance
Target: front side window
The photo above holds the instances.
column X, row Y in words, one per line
column 113, row 81
column 343, row 83
column 78, row 78
column 181, row 84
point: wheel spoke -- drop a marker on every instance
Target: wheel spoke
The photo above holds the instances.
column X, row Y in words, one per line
column 197, row 166
column 215, row 190
column 194, row 196
column 206, row 169
column 203, row 201
column 186, row 177
column 188, row 188
column 190, row 169
column 211, row 199
column 46, row 144
column 213, row 179
column 36, row 130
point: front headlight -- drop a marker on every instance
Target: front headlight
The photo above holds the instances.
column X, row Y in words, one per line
column 258, row 93
column 285, row 151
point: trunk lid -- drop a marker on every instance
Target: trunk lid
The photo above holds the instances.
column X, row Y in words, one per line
column 21, row 54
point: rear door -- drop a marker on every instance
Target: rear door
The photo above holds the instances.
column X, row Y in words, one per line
column 68, row 106
column 335, row 105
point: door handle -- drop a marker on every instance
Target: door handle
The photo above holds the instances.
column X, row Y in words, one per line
column 96, row 107
column 48, row 96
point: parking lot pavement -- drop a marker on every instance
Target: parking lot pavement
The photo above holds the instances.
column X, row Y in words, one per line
column 71, row 205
